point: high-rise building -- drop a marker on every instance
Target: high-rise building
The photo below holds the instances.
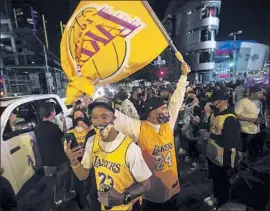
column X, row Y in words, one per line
column 250, row 62
column 25, row 64
column 195, row 26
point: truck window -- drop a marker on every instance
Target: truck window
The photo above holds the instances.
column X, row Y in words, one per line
column 22, row 117
column 38, row 103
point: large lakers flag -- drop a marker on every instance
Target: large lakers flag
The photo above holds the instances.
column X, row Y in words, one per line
column 108, row 41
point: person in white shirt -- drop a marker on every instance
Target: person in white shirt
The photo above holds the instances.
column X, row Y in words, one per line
column 129, row 109
column 247, row 112
column 136, row 98
column 239, row 92
column 116, row 159
column 155, row 138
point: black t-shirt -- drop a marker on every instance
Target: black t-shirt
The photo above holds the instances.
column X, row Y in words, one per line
column 49, row 139
column 197, row 111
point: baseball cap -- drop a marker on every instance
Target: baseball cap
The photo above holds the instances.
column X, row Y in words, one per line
column 254, row 89
column 219, row 95
column 103, row 102
column 169, row 88
column 152, row 104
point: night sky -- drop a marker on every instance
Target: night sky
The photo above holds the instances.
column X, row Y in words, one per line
column 250, row 16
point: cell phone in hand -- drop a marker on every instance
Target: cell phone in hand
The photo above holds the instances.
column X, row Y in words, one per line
column 71, row 137
column 78, row 102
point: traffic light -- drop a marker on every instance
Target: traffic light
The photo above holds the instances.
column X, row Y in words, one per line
column 161, row 72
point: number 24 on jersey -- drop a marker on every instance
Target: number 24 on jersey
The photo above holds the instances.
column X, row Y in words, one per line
column 162, row 160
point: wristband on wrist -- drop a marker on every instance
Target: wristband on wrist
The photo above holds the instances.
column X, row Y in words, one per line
column 127, row 198
column 76, row 165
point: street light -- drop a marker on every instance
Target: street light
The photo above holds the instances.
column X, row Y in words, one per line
column 234, row 35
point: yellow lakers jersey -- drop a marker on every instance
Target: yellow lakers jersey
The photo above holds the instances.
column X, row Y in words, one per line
column 111, row 168
column 79, row 135
column 214, row 151
column 217, row 122
column 158, row 151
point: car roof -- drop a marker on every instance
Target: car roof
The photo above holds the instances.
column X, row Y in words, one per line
column 6, row 101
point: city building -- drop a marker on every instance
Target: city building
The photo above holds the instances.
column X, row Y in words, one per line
column 195, row 26
column 26, row 65
column 250, row 62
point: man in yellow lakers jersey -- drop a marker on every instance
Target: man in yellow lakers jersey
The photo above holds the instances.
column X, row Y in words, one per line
column 221, row 148
column 117, row 161
column 156, row 140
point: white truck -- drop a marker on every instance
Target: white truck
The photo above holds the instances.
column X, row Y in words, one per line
column 20, row 159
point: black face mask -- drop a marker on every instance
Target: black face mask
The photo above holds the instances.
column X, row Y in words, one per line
column 123, row 96
column 189, row 100
column 214, row 109
column 140, row 95
column 166, row 98
column 86, row 120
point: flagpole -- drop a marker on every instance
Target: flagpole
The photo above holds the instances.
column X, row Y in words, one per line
column 15, row 18
column 61, row 27
column 45, row 31
column 163, row 30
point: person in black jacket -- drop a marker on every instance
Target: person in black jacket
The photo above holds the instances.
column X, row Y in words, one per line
column 50, row 137
column 53, row 158
column 221, row 147
column 7, row 196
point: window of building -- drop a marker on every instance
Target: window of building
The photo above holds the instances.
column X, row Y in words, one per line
column 189, row 58
column 195, row 9
column 191, row 31
column 206, row 57
column 4, row 27
column 213, row 11
column 213, row 34
column 208, row 34
column 205, row 13
column 210, row 12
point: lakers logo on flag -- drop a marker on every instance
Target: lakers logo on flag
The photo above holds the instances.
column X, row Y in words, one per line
column 108, row 40
column 100, row 31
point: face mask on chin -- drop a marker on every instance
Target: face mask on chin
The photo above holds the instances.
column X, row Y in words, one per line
column 163, row 118
column 214, row 109
column 79, row 129
column 104, row 130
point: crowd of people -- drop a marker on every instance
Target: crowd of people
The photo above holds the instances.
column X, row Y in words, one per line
column 123, row 150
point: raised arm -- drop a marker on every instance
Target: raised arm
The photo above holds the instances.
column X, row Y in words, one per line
column 178, row 95
column 127, row 125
